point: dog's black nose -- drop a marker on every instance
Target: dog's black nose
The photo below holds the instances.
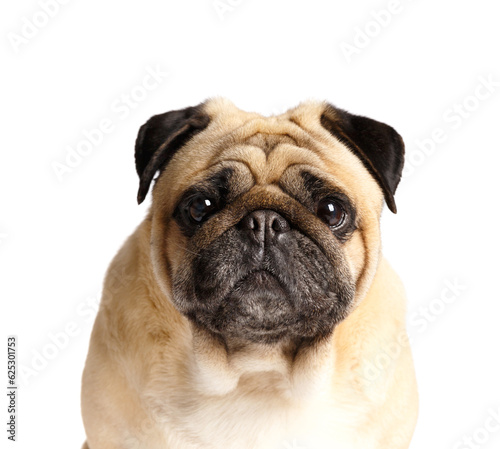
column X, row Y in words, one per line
column 264, row 226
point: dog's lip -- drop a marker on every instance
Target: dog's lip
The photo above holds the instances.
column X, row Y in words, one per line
column 268, row 280
column 262, row 272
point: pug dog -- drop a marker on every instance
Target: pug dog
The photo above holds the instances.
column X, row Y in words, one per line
column 252, row 308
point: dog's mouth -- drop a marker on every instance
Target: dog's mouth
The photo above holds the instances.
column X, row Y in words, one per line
column 264, row 306
column 285, row 291
column 258, row 301
column 261, row 280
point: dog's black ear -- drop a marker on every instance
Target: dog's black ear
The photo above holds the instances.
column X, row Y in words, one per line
column 380, row 147
column 160, row 137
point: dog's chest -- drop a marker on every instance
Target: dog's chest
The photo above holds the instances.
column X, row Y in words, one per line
column 261, row 414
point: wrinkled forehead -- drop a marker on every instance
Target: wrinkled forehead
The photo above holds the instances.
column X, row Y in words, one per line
column 268, row 151
column 267, row 147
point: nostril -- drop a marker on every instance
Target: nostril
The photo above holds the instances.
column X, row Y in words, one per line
column 279, row 224
column 264, row 224
column 251, row 223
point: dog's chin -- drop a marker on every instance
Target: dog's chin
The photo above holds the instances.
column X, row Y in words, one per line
column 257, row 309
column 260, row 309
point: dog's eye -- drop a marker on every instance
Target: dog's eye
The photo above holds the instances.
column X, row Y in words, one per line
column 331, row 212
column 200, row 207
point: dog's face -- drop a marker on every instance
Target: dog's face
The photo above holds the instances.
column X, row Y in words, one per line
column 266, row 229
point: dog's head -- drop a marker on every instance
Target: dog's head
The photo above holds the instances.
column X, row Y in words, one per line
column 266, row 229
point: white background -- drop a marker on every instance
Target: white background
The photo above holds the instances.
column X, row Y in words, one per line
column 58, row 236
